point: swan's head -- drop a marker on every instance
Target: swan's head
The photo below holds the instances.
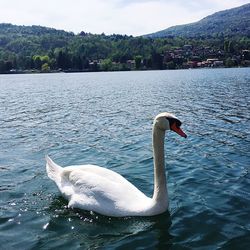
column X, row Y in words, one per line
column 166, row 121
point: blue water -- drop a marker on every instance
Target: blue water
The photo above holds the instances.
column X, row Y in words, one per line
column 106, row 119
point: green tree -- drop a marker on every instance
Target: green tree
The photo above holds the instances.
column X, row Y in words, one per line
column 226, row 45
column 230, row 47
column 157, row 60
column 37, row 62
column 77, row 62
column 45, row 59
column 106, row 65
column 138, row 62
column 63, row 60
column 2, row 66
column 171, row 65
column 230, row 63
column 45, row 67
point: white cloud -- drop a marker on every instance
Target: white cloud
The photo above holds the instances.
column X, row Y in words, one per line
column 111, row 16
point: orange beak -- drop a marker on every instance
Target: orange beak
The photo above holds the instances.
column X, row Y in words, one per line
column 179, row 131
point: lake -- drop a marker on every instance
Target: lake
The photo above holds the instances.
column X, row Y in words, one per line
column 106, row 119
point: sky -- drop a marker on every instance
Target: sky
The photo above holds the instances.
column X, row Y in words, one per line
column 138, row 17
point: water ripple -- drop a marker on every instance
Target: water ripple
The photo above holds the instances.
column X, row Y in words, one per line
column 106, row 119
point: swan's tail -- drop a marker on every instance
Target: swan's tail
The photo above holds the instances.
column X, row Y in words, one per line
column 53, row 170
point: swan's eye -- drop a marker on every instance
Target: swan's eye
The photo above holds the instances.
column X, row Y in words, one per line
column 178, row 123
column 172, row 121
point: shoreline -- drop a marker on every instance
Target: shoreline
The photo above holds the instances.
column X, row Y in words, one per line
column 23, row 72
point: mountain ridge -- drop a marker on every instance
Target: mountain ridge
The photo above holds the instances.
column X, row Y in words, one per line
column 6, row 28
column 230, row 22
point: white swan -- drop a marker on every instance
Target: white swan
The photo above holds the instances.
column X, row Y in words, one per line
column 104, row 191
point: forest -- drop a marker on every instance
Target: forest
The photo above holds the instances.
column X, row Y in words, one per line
column 41, row 49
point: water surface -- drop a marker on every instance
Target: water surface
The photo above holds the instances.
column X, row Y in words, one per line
column 106, row 119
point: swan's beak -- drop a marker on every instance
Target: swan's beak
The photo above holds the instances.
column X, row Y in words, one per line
column 178, row 130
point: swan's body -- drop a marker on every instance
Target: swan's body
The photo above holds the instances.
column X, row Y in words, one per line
column 98, row 189
column 104, row 191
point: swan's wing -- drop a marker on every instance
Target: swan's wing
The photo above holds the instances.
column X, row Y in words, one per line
column 99, row 189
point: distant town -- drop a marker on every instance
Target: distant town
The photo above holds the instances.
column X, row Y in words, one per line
column 200, row 57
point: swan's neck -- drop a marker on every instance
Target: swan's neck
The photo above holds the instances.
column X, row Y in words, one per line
column 160, row 188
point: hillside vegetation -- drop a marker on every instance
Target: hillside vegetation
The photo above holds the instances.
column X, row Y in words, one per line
column 42, row 49
column 232, row 22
